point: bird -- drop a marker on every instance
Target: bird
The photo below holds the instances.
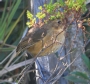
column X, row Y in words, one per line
column 47, row 39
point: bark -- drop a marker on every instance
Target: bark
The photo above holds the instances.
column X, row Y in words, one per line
column 75, row 44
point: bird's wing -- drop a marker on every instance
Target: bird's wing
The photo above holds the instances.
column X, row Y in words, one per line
column 33, row 35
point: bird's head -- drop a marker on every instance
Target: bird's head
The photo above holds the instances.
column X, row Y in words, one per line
column 55, row 25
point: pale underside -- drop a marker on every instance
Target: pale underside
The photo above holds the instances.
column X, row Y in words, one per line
column 49, row 44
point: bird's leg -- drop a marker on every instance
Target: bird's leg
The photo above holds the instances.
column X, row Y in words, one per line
column 42, row 44
column 29, row 53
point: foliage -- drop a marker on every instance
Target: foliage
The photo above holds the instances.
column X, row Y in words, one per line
column 56, row 10
column 9, row 19
column 80, row 77
column 4, row 19
column 11, row 29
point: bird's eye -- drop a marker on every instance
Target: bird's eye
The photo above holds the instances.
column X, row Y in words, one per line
column 59, row 22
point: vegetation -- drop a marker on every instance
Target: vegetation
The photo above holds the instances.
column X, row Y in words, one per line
column 12, row 26
column 81, row 77
column 60, row 10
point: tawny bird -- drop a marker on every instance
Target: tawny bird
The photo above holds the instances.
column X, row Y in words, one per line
column 48, row 38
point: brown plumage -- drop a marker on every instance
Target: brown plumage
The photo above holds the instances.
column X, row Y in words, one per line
column 49, row 37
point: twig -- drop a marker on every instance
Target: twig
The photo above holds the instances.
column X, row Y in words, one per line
column 60, row 74
column 15, row 66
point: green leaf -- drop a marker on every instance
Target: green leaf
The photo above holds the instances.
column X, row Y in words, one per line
column 52, row 17
column 14, row 11
column 29, row 15
column 40, row 15
column 51, row 1
column 4, row 12
column 2, row 21
column 6, row 49
column 61, row 2
column 8, row 19
column 80, row 74
column 40, row 7
column 86, row 61
column 14, row 25
column 75, row 79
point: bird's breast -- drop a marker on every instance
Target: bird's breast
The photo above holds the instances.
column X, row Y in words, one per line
column 49, row 44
